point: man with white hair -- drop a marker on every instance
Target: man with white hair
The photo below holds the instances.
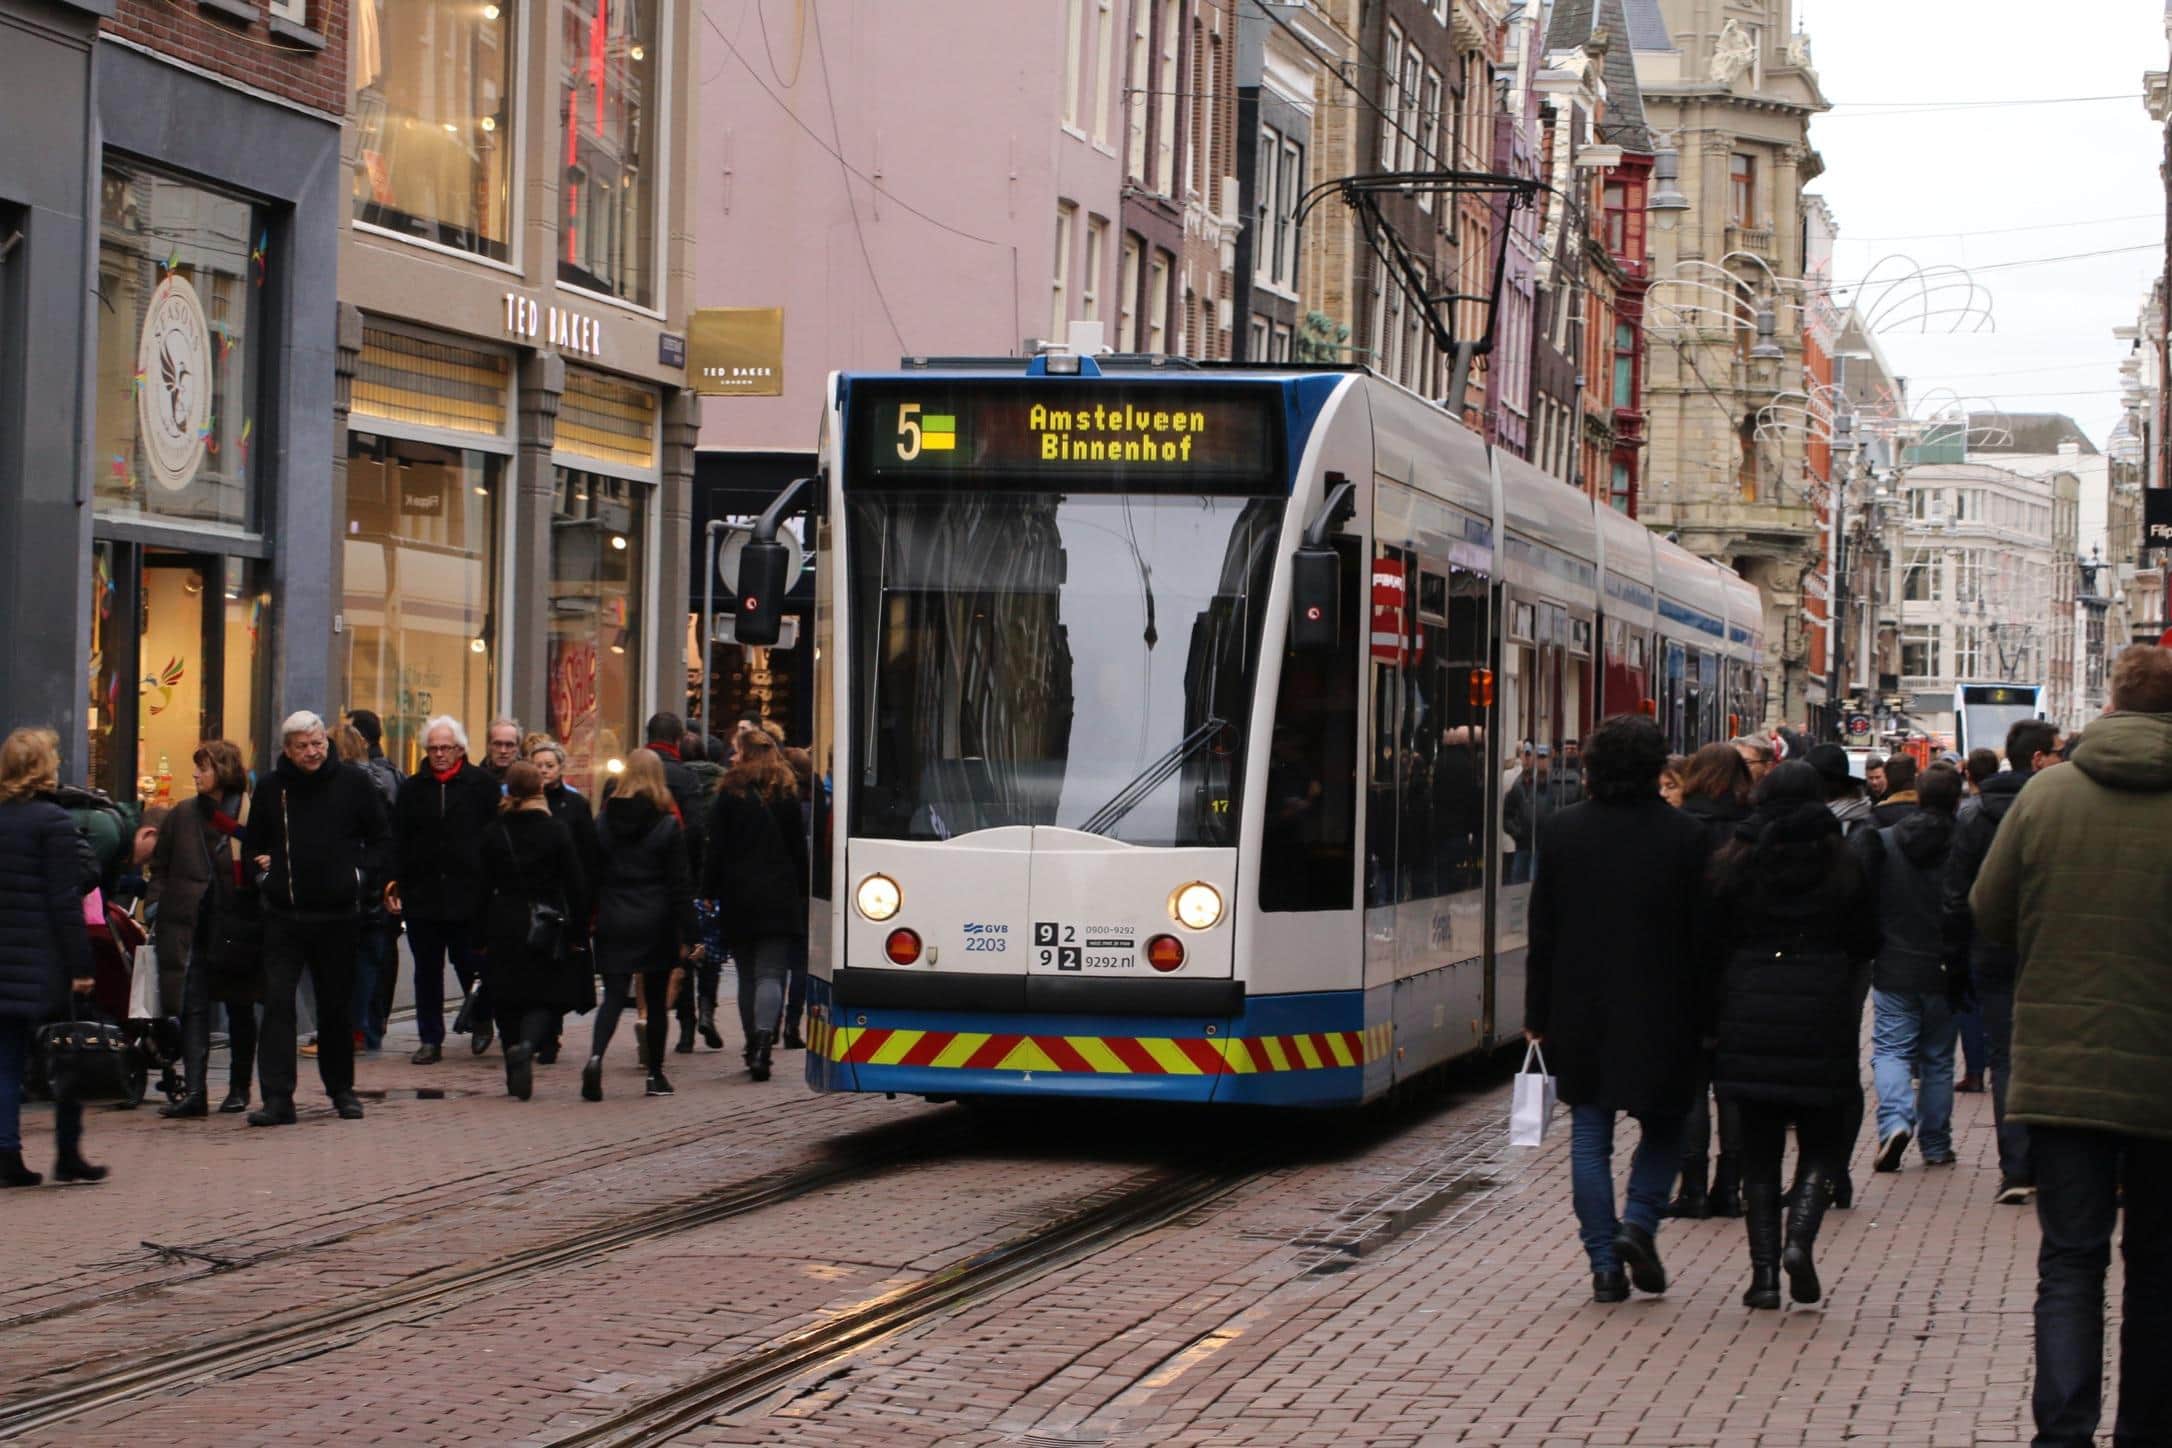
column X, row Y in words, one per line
column 317, row 837
column 438, row 887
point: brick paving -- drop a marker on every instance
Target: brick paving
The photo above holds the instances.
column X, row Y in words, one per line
column 1410, row 1281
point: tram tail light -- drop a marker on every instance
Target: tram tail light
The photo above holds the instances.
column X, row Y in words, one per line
column 1165, row 952
column 902, row 946
column 1481, row 688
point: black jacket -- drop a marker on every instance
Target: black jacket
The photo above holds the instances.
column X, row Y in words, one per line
column 689, row 794
column 438, row 829
column 1717, row 817
column 1991, row 965
column 1893, row 810
column 757, row 866
column 43, row 942
column 570, row 808
column 1799, row 920
column 326, row 835
column 645, row 901
column 1618, row 965
column 529, row 858
column 1906, row 867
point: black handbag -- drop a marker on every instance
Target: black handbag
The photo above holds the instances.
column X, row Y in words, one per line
column 87, row 1061
column 545, row 933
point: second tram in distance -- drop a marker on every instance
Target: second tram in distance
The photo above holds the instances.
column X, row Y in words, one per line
column 1175, row 725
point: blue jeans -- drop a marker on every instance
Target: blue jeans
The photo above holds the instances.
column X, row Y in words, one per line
column 433, row 942
column 2079, row 1178
column 372, row 960
column 1591, row 1173
column 1997, row 1005
column 1913, row 1034
column 14, row 1060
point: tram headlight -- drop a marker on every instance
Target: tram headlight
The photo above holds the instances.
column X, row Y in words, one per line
column 1197, row 906
column 878, row 897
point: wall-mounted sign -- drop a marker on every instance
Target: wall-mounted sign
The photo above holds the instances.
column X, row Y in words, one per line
column 737, row 351
column 559, row 327
column 670, row 350
column 2157, row 517
column 173, row 392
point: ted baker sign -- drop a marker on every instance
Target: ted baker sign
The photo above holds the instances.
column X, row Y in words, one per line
column 566, row 330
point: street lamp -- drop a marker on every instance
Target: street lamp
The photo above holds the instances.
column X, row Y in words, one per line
column 1768, row 348
column 1667, row 203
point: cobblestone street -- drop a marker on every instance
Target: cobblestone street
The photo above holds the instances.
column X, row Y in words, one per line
column 1410, row 1279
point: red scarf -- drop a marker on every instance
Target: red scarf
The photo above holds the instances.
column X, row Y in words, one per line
column 447, row 776
column 230, row 827
column 669, row 751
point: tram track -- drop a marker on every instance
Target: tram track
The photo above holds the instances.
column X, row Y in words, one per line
column 1112, row 1216
column 310, row 1332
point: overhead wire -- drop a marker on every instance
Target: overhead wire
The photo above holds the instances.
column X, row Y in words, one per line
column 867, row 258
column 2003, row 230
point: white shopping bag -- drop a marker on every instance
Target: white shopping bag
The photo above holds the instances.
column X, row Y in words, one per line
column 1532, row 1110
column 143, row 999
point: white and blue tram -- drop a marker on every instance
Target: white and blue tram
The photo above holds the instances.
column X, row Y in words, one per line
column 1186, row 731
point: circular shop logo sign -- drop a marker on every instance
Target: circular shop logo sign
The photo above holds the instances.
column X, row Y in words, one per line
column 173, row 404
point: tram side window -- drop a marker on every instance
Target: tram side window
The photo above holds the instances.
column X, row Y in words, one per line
column 1310, row 828
column 1459, row 760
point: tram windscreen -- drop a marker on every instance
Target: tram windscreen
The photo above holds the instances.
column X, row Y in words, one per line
column 1076, row 658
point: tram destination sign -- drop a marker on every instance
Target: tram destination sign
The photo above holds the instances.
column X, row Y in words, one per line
column 1161, row 435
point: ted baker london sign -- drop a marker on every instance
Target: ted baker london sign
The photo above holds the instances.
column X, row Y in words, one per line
column 561, row 327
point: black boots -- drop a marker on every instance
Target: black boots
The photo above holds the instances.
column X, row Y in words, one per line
column 710, row 1035
column 592, row 1079
column 758, row 1047
column 72, row 1168
column 1692, row 1202
column 1611, row 1285
column 14, row 1174
column 1761, row 1209
column 686, row 1037
column 1640, row 1254
column 519, row 1071
column 1805, row 1212
column 192, row 1104
column 1726, row 1198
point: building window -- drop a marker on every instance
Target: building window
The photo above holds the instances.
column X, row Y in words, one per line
column 420, row 585
column 1168, row 88
column 180, row 274
column 1127, row 295
column 1282, row 345
column 1923, row 581
column 1202, row 97
column 1256, row 346
column 1157, row 302
column 1968, row 651
column 1266, row 200
column 1097, row 245
column 1625, row 365
column 1742, row 189
column 1059, row 291
column 1618, row 492
column 607, row 92
column 432, row 116
column 599, row 537
column 1291, row 193
column 1391, row 69
column 1968, row 575
column 1406, row 113
column 1429, row 131
column 1074, row 37
column 1919, row 651
column 1139, row 78
column 1104, row 62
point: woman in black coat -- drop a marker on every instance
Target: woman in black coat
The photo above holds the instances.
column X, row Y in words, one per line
column 530, row 864
column 644, row 912
column 757, row 873
column 1798, row 920
column 44, row 945
column 196, row 876
column 1616, row 980
column 1715, row 788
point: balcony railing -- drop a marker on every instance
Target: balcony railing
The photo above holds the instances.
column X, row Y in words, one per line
column 1755, row 240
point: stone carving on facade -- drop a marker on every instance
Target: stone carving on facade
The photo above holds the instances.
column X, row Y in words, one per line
column 1733, row 54
column 1798, row 54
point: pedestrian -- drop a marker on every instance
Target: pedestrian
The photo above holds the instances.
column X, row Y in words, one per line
column 757, row 874
column 667, row 736
column 1848, row 798
column 1716, row 794
column 2032, row 746
column 1527, row 807
column 1670, row 779
column 1617, row 990
column 795, row 994
column 2078, row 881
column 571, row 808
column 1899, row 800
column 381, row 946
column 318, row 837
column 1757, row 755
column 197, row 875
column 44, row 946
column 1980, row 766
column 538, row 909
column 1798, row 923
column 1913, row 1031
column 437, row 891
column 1874, row 776
column 644, row 913
column 501, row 746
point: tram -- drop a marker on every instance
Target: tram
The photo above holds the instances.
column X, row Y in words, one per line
column 1186, row 729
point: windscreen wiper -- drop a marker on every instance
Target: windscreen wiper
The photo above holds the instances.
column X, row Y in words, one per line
column 1127, row 799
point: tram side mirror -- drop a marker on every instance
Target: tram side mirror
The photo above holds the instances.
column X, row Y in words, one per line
column 1315, row 588
column 764, row 573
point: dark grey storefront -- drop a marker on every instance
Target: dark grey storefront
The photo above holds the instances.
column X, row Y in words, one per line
column 164, row 468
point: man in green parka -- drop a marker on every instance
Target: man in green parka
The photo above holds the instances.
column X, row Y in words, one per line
column 2079, row 880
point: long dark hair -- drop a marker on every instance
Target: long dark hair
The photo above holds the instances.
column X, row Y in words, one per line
column 1790, row 844
column 1716, row 771
column 761, row 770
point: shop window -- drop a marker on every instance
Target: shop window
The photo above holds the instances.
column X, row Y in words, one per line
column 420, row 585
column 180, row 272
column 404, row 378
column 607, row 108
column 432, row 119
column 599, row 532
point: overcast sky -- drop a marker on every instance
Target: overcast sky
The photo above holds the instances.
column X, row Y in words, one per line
column 1956, row 185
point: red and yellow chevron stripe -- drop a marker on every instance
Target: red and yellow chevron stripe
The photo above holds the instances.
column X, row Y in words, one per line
column 1105, row 1055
